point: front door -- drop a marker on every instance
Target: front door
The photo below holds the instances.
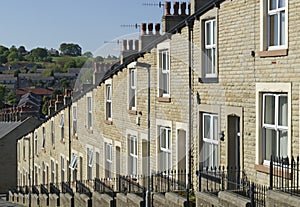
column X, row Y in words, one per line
column 233, row 151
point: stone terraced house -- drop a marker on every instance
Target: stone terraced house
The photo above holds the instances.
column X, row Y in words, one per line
column 224, row 99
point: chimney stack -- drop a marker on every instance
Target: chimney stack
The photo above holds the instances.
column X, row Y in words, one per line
column 170, row 20
column 147, row 38
column 67, row 97
column 59, row 102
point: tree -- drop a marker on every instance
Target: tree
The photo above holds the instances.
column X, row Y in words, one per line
column 70, row 49
column 2, row 95
column 39, row 54
column 4, row 52
column 13, row 56
column 22, row 50
column 88, row 54
column 99, row 59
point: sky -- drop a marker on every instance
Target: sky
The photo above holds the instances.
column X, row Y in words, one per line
column 95, row 25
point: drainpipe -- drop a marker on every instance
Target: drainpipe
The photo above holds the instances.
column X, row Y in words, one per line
column 69, row 120
column 32, row 180
column 189, row 183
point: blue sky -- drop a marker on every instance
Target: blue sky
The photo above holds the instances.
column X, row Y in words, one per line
column 41, row 23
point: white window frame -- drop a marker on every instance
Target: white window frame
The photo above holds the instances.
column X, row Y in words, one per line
column 264, row 26
column 52, row 171
column 73, row 163
column 210, row 140
column 276, row 127
column 44, row 137
column 44, row 172
column 132, row 89
column 63, row 170
column 36, row 146
column 52, row 133
column 261, row 88
column 167, row 149
column 276, row 12
column 61, row 125
column 108, row 95
column 108, row 157
column 74, row 120
column 210, row 47
column 89, row 113
column 90, row 154
column 133, row 156
column 164, row 68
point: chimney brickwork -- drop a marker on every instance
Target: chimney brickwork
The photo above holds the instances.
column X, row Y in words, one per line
column 170, row 19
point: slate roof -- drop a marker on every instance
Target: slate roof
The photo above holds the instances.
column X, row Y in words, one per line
column 7, row 127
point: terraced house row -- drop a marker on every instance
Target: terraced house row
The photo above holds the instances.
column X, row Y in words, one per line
column 220, row 120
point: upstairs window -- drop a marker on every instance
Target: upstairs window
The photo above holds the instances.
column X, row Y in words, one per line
column 36, row 149
column 74, row 120
column 52, row 133
column 276, row 23
column 132, row 89
column 164, row 68
column 61, row 125
column 108, row 102
column 89, row 112
column 274, row 28
column 210, row 49
column 44, row 138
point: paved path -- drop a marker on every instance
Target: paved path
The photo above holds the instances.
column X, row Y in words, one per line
column 4, row 203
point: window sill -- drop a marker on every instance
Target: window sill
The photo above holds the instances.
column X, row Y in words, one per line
column 163, row 99
column 273, row 53
column 277, row 171
column 132, row 112
column 108, row 122
column 262, row 168
column 209, row 80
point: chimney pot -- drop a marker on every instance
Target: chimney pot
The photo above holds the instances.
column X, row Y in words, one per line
column 167, row 7
column 124, row 48
column 176, row 8
column 183, row 8
column 150, row 28
column 130, row 44
column 157, row 29
column 144, row 25
column 136, row 45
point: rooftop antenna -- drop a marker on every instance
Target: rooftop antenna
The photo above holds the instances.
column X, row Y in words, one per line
column 136, row 26
column 117, row 42
column 159, row 4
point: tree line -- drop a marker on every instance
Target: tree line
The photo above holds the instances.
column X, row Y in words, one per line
column 14, row 54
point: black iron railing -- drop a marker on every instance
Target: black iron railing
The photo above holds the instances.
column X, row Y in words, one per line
column 44, row 190
column 104, row 186
column 129, row 184
column 214, row 180
column 34, row 190
column 168, row 181
column 284, row 174
column 82, row 189
column 65, row 188
column 54, row 189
